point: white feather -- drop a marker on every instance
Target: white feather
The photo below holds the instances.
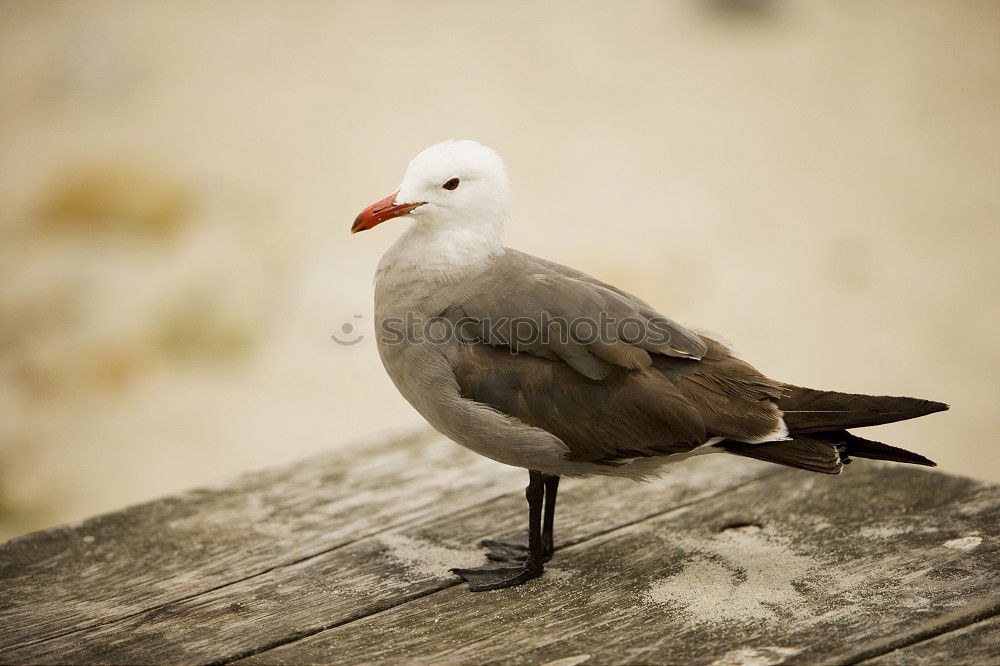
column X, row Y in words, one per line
column 453, row 230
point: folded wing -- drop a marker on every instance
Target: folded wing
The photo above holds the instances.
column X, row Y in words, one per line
column 555, row 312
column 608, row 399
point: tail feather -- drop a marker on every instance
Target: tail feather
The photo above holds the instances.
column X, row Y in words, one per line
column 809, row 453
column 811, row 411
column 859, row 447
column 825, row 452
column 817, row 423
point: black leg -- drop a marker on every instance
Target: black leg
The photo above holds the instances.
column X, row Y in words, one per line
column 535, row 493
column 505, row 551
column 551, row 488
column 512, row 572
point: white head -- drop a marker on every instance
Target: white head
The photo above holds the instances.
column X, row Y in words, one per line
column 455, row 188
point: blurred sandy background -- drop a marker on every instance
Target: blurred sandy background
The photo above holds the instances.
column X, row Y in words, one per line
column 817, row 181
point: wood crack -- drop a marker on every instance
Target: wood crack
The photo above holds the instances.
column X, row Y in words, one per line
column 963, row 617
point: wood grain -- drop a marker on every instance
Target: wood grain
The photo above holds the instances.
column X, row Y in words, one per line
column 373, row 573
column 124, row 563
column 795, row 568
column 344, row 558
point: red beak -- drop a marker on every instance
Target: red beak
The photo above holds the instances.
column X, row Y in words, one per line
column 380, row 211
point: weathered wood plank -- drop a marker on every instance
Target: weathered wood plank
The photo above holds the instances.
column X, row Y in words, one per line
column 974, row 645
column 836, row 565
column 120, row 564
column 374, row 573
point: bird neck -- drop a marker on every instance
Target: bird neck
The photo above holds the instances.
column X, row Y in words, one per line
column 440, row 253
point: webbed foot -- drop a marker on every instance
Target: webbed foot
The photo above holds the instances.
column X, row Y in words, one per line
column 505, row 551
column 498, row 576
column 512, row 551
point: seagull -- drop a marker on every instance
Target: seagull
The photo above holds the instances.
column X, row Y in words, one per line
column 541, row 366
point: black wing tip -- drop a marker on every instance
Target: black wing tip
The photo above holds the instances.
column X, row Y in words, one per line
column 909, row 458
column 934, row 406
column 920, row 460
column 859, row 447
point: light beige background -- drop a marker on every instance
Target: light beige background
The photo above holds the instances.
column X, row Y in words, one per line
column 819, row 182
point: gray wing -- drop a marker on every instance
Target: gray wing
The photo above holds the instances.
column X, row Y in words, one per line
column 608, row 398
column 530, row 305
column 671, row 407
column 628, row 414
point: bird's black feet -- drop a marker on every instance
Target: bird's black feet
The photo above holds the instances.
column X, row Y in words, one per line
column 498, row 575
column 511, row 551
column 513, row 563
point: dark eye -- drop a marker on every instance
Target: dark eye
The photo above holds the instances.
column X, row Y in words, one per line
column 451, row 184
